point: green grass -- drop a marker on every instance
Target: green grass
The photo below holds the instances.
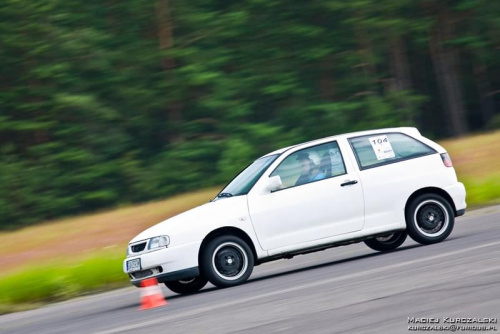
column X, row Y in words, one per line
column 33, row 286
column 483, row 191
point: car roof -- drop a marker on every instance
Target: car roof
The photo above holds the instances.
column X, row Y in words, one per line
column 409, row 130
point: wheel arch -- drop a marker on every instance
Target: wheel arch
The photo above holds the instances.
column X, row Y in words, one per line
column 432, row 190
column 228, row 230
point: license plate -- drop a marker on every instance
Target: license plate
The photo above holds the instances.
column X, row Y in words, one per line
column 134, row 265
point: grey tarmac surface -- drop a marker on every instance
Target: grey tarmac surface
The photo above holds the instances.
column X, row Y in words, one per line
column 349, row 289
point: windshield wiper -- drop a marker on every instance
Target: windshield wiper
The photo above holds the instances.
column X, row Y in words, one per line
column 225, row 195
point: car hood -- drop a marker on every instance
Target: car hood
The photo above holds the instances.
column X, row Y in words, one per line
column 223, row 208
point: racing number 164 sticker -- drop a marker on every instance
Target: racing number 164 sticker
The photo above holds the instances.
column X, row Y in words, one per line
column 382, row 147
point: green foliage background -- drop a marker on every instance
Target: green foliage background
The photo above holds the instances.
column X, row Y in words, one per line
column 109, row 102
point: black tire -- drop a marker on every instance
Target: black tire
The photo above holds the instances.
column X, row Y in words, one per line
column 387, row 242
column 429, row 219
column 226, row 261
column 188, row 285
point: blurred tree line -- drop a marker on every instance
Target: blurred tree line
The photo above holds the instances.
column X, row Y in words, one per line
column 107, row 102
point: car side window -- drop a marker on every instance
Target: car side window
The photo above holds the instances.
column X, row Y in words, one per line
column 380, row 149
column 310, row 165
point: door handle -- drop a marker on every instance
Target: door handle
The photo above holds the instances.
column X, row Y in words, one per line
column 348, row 183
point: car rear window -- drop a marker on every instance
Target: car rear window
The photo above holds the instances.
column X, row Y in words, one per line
column 383, row 148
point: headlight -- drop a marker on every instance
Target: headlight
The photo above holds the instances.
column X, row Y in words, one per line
column 157, row 242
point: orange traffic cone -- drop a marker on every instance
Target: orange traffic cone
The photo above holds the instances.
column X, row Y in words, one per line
column 151, row 295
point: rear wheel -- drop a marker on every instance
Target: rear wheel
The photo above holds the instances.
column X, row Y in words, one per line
column 188, row 285
column 429, row 218
column 387, row 242
column 226, row 261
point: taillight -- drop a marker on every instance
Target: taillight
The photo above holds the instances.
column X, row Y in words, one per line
column 446, row 160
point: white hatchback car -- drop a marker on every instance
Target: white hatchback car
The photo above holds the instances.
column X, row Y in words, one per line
column 372, row 186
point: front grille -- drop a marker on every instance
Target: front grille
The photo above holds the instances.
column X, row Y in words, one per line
column 145, row 273
column 142, row 274
column 139, row 247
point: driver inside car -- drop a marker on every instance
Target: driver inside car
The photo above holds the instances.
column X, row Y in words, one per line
column 309, row 168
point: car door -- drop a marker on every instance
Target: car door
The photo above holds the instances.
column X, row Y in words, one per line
column 308, row 209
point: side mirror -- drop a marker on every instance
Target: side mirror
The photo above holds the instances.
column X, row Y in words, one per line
column 273, row 183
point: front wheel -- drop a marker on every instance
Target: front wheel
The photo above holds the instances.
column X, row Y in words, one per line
column 188, row 285
column 429, row 218
column 226, row 261
column 387, row 242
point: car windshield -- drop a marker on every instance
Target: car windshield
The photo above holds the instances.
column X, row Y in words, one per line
column 245, row 180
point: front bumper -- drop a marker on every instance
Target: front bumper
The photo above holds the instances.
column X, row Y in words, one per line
column 172, row 276
column 166, row 264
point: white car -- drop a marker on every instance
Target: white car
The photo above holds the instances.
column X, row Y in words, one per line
column 372, row 186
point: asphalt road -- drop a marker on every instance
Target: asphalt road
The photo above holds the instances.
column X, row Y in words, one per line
column 348, row 289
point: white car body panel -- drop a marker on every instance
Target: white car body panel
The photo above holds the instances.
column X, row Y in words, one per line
column 388, row 206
